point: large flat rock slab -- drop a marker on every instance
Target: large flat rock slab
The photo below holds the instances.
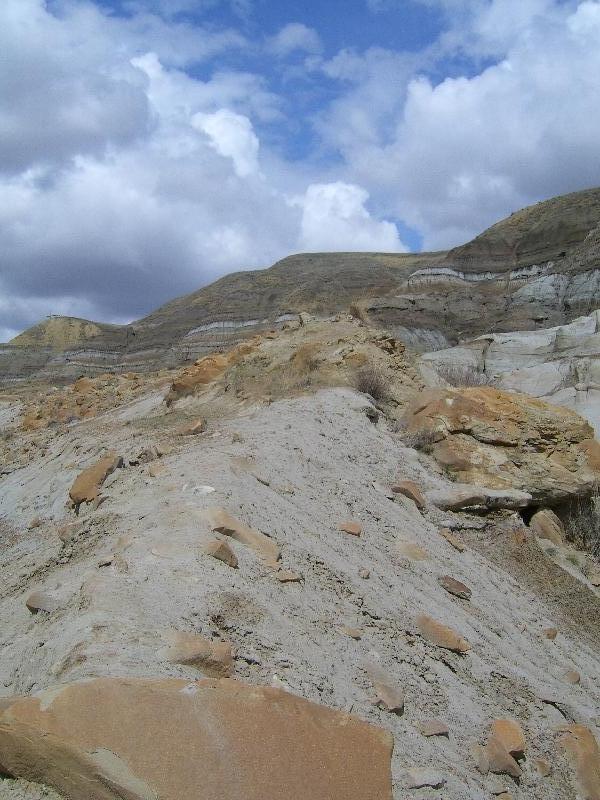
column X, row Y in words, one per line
column 144, row 739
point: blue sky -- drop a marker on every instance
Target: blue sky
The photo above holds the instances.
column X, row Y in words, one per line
column 149, row 146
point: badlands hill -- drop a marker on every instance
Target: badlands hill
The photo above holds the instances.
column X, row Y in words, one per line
column 540, row 267
column 295, row 570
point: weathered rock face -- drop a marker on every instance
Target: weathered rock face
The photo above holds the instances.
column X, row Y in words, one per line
column 143, row 739
column 503, row 440
column 559, row 364
column 539, row 267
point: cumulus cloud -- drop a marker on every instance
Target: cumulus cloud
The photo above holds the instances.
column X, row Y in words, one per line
column 232, row 136
column 293, row 37
column 334, row 217
column 459, row 153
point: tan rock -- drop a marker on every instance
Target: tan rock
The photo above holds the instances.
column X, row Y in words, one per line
column 412, row 551
column 87, row 484
column 499, row 760
column 222, row 552
column 222, row 521
column 41, row 601
column 510, row 735
column 543, row 767
column 214, row 659
column 584, row 754
column 388, row 697
column 364, row 573
column 457, row 588
column 353, row 528
column 353, row 633
column 411, row 490
column 433, row 727
column 154, row 470
column 572, row 676
column 204, row 371
column 35, row 523
column 288, row 576
column 453, row 539
column 441, row 635
column 502, row 440
column 547, row 525
column 419, row 777
column 193, row 428
column 142, row 739
column 550, row 633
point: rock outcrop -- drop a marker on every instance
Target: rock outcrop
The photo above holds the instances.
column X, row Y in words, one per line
column 537, row 268
column 559, row 364
column 147, row 739
column 491, row 438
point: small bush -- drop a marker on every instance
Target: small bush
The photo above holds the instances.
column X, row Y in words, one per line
column 419, row 440
column 458, row 375
column 582, row 523
column 358, row 312
column 372, row 380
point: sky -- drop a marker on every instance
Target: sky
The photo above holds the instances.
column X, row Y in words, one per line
column 148, row 147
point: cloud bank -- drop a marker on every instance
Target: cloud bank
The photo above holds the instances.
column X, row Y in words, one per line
column 143, row 154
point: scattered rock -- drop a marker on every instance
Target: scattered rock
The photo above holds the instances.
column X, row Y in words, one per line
column 353, row 528
column 214, row 659
column 353, row 633
column 453, row 539
column 412, row 551
column 584, row 754
column 41, row 601
column 424, row 776
column 572, row 677
column 86, row 487
column 550, row 633
column 455, row 587
column 35, row 523
column 223, row 522
column 412, row 491
column 543, row 767
column 458, row 496
column 193, row 428
column 363, row 573
column 433, row 727
column 510, row 735
column 143, row 738
column 388, row 697
column 441, row 635
column 154, row 470
column 547, row 525
column 288, row 576
column 222, row 552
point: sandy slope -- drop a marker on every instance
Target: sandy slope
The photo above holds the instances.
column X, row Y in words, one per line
column 294, row 469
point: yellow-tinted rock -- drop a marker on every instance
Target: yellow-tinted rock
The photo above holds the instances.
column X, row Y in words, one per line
column 142, row 739
column 441, row 635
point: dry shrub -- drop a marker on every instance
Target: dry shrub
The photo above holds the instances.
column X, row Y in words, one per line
column 306, row 357
column 372, row 380
column 358, row 312
column 459, row 375
column 582, row 523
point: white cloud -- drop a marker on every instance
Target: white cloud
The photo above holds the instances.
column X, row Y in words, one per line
column 456, row 155
column 293, row 37
column 334, row 217
column 232, row 136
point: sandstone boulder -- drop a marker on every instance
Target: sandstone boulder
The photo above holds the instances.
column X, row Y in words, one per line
column 353, row 528
column 222, row 552
column 87, row 484
column 222, row 521
column 412, row 491
column 455, row 587
column 441, row 635
column 144, row 739
column 584, row 754
column 214, row 659
column 507, row 441
column 547, row 525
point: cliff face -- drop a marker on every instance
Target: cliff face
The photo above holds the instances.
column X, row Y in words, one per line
column 539, row 267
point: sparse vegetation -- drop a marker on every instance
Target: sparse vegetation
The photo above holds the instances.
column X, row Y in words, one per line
column 358, row 312
column 372, row 380
column 461, row 375
column 582, row 523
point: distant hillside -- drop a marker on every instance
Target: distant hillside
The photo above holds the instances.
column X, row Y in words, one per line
column 538, row 267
